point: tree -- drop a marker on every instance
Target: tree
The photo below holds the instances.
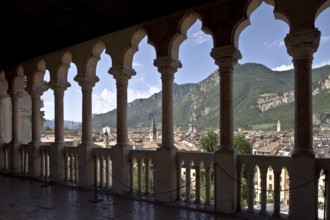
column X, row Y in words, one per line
column 210, row 141
column 243, row 147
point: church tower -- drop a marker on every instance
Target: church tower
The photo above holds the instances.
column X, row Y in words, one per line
column 278, row 126
column 153, row 130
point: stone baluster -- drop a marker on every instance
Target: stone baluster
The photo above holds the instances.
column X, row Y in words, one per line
column 263, row 185
column 277, row 193
column 250, row 183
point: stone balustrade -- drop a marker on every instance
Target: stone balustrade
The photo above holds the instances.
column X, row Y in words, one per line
column 195, row 176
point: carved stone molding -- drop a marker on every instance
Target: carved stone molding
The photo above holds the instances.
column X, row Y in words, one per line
column 122, row 74
column 59, row 85
column 86, row 81
column 167, row 66
column 302, row 44
column 226, row 56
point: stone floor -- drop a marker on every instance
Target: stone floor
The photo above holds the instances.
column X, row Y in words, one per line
column 22, row 199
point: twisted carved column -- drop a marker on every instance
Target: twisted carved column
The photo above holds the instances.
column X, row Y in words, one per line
column 167, row 66
column 226, row 58
column 301, row 46
column 122, row 75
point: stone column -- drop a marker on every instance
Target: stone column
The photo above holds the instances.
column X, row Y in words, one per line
column 85, row 149
column 2, row 127
column 34, row 146
column 167, row 67
column 165, row 164
column 14, row 148
column 3, row 95
column 57, row 149
column 301, row 46
column 120, row 161
column 225, row 157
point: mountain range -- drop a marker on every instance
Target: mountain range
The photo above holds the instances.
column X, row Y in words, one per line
column 261, row 96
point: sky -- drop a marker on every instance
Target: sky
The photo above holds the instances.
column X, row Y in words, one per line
column 261, row 42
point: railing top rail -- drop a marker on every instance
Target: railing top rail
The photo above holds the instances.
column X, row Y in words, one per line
column 102, row 151
column 197, row 157
column 142, row 154
column 70, row 149
column 264, row 161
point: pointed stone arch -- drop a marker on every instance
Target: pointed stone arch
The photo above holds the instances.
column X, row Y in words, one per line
column 245, row 21
column 322, row 8
column 18, row 79
column 133, row 47
column 3, row 84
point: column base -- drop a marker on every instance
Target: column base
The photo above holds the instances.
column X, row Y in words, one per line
column 86, row 163
column 225, row 181
column 15, row 164
column 56, row 161
column 165, row 174
column 2, row 155
column 34, row 159
column 303, row 196
column 120, row 169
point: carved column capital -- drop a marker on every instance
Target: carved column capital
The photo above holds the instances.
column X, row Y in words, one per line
column 3, row 95
column 122, row 74
column 16, row 93
column 86, row 81
column 167, row 66
column 3, row 86
column 226, row 56
column 37, row 90
column 59, row 85
column 302, row 44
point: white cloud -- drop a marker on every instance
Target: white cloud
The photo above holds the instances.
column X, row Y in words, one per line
column 283, row 67
column 48, row 109
column 137, row 64
column 276, row 43
column 325, row 39
column 104, row 102
column 138, row 94
column 200, row 37
column 323, row 63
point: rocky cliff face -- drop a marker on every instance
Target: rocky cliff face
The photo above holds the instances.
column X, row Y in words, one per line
column 269, row 101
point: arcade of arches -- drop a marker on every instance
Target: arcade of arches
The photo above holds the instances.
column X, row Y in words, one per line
column 224, row 20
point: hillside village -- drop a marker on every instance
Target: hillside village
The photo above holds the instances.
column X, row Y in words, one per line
column 274, row 143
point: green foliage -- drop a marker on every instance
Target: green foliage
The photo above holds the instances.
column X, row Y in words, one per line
column 210, row 141
column 242, row 145
column 48, row 128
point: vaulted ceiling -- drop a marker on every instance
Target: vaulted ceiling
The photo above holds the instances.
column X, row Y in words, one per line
column 29, row 29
